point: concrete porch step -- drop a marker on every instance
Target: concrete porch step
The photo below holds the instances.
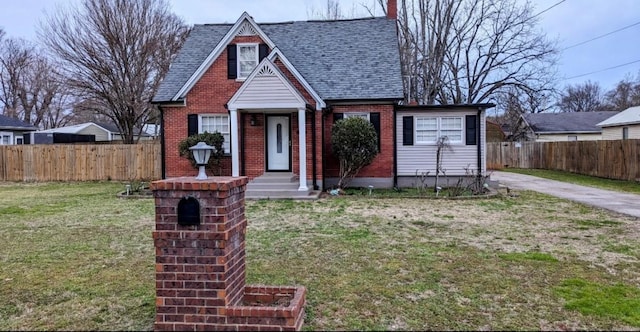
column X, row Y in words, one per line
column 276, row 177
column 257, row 186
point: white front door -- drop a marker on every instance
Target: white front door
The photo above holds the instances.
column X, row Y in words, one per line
column 278, row 155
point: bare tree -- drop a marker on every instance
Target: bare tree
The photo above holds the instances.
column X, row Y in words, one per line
column 115, row 53
column 465, row 51
column 331, row 11
column 30, row 88
column 625, row 94
column 586, row 97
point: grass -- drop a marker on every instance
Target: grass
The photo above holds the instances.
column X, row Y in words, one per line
column 75, row 257
column 585, row 180
column 619, row 301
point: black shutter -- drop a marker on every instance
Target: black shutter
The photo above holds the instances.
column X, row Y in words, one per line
column 375, row 121
column 471, row 132
column 407, row 130
column 263, row 51
column 26, row 139
column 232, row 61
column 192, row 124
column 337, row 116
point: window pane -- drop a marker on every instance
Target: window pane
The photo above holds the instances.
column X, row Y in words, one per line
column 451, row 123
column 247, row 59
column 217, row 123
column 427, row 123
column 357, row 115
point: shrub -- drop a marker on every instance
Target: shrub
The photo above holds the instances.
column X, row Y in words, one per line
column 214, row 139
column 355, row 143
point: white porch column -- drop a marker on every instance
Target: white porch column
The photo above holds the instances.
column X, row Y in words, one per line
column 235, row 151
column 302, row 143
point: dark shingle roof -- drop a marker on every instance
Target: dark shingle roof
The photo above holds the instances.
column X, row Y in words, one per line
column 570, row 122
column 349, row 59
column 11, row 123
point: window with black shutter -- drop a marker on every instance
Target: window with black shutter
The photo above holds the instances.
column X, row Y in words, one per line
column 407, row 130
column 471, row 129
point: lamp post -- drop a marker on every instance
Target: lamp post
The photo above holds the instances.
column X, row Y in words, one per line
column 201, row 153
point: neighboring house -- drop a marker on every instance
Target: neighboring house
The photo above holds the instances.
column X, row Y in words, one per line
column 80, row 133
column 567, row 126
column 624, row 125
column 13, row 131
column 418, row 128
column 274, row 91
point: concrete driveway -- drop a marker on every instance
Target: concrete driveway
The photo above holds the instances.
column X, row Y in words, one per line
column 611, row 200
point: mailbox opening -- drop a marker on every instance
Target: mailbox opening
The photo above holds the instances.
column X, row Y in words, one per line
column 188, row 211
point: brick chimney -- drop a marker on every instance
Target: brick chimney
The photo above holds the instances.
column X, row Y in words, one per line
column 392, row 9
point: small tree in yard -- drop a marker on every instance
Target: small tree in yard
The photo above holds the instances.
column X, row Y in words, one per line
column 214, row 139
column 354, row 143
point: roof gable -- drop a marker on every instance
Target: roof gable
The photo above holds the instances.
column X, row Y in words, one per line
column 629, row 116
column 567, row 122
column 277, row 54
column 266, row 87
column 244, row 26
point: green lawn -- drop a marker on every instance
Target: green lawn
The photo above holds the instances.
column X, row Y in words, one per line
column 75, row 257
column 585, row 180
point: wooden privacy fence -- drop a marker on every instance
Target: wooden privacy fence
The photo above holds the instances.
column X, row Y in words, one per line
column 80, row 162
column 618, row 159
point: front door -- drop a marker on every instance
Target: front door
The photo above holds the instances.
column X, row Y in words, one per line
column 278, row 148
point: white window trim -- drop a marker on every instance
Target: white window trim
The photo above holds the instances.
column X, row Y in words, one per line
column 227, row 142
column 625, row 133
column 16, row 138
column 438, row 130
column 357, row 114
column 240, row 78
column 6, row 133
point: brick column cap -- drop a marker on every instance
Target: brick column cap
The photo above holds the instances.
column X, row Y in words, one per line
column 190, row 183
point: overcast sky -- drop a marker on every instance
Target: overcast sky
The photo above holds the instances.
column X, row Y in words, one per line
column 570, row 22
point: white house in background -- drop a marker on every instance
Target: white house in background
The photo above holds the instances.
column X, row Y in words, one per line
column 624, row 125
column 566, row 126
column 12, row 131
column 84, row 132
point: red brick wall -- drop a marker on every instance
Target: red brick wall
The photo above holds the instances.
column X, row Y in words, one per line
column 382, row 165
column 200, row 269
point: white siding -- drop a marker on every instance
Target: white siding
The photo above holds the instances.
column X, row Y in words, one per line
column 611, row 133
column 565, row 137
column 422, row 157
column 267, row 90
column 101, row 134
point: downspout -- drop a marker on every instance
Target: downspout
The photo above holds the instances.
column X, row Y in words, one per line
column 479, row 141
column 314, row 158
column 324, row 166
column 162, row 144
column 395, row 148
column 243, row 170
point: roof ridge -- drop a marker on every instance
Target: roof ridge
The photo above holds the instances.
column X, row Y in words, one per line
column 300, row 21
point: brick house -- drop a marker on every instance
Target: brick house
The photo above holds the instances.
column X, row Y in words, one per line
column 274, row 90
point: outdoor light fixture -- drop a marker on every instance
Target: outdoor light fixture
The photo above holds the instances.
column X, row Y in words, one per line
column 201, row 153
column 253, row 122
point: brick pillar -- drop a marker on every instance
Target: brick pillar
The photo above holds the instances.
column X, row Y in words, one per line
column 200, row 269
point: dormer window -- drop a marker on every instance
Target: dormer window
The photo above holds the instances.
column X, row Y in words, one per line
column 247, row 59
column 243, row 58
